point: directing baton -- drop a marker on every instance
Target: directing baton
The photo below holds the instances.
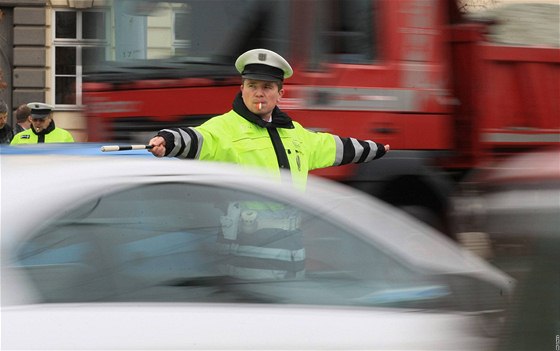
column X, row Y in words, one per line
column 125, row 147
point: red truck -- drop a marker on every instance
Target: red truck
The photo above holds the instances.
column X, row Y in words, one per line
column 416, row 74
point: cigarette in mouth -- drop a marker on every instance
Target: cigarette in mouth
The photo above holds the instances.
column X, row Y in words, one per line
column 260, row 106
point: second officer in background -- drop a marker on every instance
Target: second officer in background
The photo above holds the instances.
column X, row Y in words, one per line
column 43, row 128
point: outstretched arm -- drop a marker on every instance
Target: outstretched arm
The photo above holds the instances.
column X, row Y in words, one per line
column 351, row 150
column 177, row 142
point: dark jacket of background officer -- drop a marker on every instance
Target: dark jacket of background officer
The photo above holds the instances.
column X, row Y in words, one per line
column 6, row 133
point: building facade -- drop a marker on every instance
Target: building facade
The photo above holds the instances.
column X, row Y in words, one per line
column 46, row 47
column 38, row 60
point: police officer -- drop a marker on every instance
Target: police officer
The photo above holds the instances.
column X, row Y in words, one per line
column 43, row 129
column 259, row 240
column 257, row 133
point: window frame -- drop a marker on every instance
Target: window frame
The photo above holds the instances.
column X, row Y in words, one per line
column 79, row 43
column 179, row 45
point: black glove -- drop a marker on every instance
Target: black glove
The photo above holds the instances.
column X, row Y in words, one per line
column 380, row 151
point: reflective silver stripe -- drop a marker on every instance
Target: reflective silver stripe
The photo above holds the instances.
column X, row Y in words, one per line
column 200, row 141
column 358, row 150
column 176, row 139
column 263, row 252
column 372, row 150
column 187, row 141
column 256, row 273
column 520, row 138
column 291, row 223
column 339, row 150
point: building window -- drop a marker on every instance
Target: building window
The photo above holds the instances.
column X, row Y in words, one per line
column 80, row 39
column 345, row 32
column 181, row 35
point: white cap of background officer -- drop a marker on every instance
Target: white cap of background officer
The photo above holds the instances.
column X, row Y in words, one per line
column 39, row 109
column 263, row 64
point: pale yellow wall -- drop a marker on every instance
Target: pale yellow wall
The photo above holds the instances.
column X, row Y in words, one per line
column 160, row 34
column 59, row 3
column 74, row 122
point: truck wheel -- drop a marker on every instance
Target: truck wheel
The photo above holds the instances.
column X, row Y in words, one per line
column 424, row 214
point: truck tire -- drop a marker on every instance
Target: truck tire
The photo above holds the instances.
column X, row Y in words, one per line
column 424, row 214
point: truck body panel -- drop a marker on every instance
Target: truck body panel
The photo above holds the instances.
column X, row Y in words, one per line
column 415, row 74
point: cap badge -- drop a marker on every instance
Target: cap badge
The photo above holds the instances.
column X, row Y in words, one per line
column 262, row 56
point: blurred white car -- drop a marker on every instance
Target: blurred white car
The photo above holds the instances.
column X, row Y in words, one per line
column 509, row 213
column 115, row 253
column 503, row 209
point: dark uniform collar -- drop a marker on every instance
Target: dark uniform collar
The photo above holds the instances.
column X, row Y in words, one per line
column 279, row 118
column 45, row 131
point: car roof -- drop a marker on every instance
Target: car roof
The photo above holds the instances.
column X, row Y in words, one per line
column 102, row 168
column 83, row 149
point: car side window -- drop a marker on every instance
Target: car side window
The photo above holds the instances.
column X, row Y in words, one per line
column 126, row 245
column 178, row 242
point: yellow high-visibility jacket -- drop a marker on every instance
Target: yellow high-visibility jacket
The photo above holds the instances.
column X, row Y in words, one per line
column 51, row 134
column 241, row 137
